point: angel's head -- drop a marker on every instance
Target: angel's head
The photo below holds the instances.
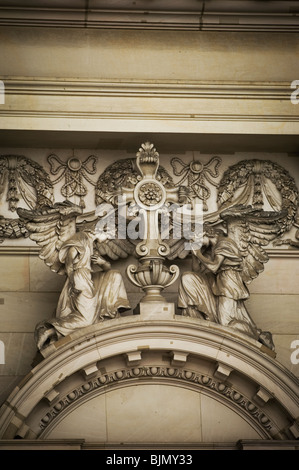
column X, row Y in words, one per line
column 236, row 228
column 211, row 235
column 235, row 221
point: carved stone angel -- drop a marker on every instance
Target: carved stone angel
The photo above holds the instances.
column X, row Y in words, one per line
column 92, row 291
column 217, row 288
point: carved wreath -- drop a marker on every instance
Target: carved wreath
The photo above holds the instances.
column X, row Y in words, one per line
column 255, row 180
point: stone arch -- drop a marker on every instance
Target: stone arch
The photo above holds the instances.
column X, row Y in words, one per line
column 228, row 372
column 182, row 379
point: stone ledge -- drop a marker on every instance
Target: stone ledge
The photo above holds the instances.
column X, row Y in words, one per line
column 81, row 444
column 29, row 444
column 195, row 16
column 215, row 89
column 34, row 250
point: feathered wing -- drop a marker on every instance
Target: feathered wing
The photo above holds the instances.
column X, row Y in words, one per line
column 50, row 227
column 178, row 248
column 255, row 229
column 116, row 248
column 176, row 241
column 253, row 263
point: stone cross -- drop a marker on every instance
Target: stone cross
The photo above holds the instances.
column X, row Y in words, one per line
column 151, row 195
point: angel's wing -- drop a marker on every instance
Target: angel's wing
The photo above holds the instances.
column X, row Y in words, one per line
column 182, row 240
column 50, row 227
column 178, row 248
column 116, row 248
column 251, row 230
column 105, row 220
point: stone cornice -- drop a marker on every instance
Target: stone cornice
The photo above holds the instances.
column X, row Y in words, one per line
column 80, row 444
column 182, row 106
column 34, row 250
column 191, row 16
column 212, row 89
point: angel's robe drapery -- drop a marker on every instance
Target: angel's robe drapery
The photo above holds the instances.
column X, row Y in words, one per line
column 220, row 296
column 195, row 291
column 87, row 297
column 228, row 281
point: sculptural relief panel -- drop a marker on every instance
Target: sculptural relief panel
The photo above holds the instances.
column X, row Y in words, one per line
column 31, row 176
column 35, row 179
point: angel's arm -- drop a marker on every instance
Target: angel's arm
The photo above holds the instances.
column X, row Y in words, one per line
column 100, row 264
column 195, row 263
column 212, row 265
column 197, row 266
column 69, row 260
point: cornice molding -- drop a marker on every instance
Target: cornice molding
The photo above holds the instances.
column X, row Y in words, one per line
column 197, row 16
column 212, row 89
column 199, row 103
column 14, row 250
column 280, row 253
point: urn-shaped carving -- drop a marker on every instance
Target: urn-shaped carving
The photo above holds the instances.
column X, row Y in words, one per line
column 152, row 276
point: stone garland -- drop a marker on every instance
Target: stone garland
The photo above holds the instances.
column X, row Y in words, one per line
column 12, row 228
column 157, row 371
